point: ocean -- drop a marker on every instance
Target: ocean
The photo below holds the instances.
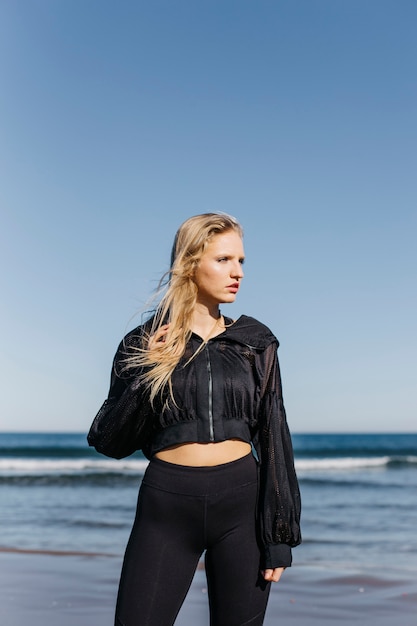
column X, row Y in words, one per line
column 359, row 495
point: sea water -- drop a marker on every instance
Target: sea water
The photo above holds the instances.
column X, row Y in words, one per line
column 359, row 496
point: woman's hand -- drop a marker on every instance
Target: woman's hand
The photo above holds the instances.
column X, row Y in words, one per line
column 157, row 340
column 272, row 575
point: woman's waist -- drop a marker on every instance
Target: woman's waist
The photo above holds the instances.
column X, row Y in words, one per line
column 201, row 481
column 193, row 454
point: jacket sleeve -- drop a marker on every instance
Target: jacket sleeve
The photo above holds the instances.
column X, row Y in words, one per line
column 279, row 498
column 123, row 422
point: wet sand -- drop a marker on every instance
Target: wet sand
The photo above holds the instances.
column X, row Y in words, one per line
column 80, row 590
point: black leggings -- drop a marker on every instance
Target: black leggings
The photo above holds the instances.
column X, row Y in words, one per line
column 182, row 512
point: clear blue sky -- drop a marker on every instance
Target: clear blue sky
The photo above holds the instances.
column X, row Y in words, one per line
column 120, row 119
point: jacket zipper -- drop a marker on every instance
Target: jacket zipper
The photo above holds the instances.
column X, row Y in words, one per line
column 210, row 395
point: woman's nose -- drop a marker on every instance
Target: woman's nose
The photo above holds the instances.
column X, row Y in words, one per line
column 237, row 271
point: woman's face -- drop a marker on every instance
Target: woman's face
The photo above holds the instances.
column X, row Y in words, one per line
column 219, row 272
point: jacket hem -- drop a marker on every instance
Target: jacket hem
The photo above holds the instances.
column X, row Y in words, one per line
column 189, row 432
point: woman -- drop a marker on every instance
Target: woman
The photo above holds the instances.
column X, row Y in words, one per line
column 200, row 393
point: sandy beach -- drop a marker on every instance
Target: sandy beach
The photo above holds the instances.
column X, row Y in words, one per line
column 79, row 590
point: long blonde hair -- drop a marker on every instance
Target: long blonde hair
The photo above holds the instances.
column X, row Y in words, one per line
column 177, row 303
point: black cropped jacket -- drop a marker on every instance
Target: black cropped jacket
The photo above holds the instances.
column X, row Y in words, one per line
column 231, row 389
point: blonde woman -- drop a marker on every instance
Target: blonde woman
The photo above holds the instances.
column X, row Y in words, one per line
column 200, row 394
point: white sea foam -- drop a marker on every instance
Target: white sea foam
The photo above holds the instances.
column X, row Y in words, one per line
column 68, row 466
column 346, row 463
column 26, row 466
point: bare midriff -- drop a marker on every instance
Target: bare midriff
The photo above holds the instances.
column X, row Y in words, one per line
column 205, row 454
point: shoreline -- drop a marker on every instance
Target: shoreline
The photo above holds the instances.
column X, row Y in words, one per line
column 71, row 588
column 42, row 551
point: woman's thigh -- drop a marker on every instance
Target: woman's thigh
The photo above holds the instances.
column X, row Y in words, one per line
column 238, row 594
column 161, row 557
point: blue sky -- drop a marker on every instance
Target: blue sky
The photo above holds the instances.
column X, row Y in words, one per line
column 119, row 120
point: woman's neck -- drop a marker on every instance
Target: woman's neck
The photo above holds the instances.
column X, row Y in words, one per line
column 207, row 322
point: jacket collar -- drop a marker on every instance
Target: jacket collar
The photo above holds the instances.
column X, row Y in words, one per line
column 248, row 331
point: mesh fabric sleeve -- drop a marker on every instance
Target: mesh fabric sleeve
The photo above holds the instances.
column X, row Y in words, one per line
column 123, row 422
column 279, row 498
